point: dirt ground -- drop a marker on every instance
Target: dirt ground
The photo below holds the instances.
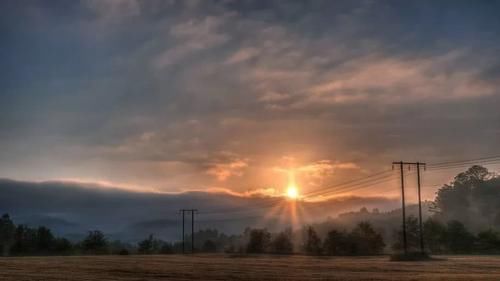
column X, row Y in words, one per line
column 224, row 267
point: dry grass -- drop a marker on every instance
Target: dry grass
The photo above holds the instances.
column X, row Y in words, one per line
column 221, row 267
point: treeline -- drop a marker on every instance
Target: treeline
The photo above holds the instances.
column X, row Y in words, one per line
column 361, row 240
column 452, row 237
column 463, row 209
column 22, row 240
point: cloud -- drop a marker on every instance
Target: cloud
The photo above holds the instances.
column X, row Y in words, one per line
column 191, row 37
column 148, row 93
column 222, row 171
column 325, row 168
column 242, row 55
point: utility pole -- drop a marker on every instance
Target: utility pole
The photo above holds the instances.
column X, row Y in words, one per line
column 418, row 164
column 183, row 236
column 405, row 245
column 192, row 231
column 183, row 211
column 420, row 208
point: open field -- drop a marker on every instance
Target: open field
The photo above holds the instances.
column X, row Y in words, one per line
column 223, row 267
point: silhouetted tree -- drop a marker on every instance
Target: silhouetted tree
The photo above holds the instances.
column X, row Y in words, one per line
column 95, row 243
column 434, row 236
column 62, row 246
column 146, row 245
column 25, row 240
column 45, row 240
column 282, row 243
column 365, row 240
column 337, row 243
column 209, row 247
column 488, row 242
column 471, row 198
column 312, row 243
column 259, row 240
column 458, row 238
column 7, row 231
column 412, row 236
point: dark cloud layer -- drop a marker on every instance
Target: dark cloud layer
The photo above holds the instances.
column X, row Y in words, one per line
column 179, row 95
column 73, row 209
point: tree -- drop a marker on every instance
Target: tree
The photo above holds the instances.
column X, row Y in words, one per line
column 312, row 243
column 7, row 231
column 259, row 241
column 459, row 239
column 209, row 246
column 25, row 241
column 488, row 242
column 95, row 243
column 45, row 240
column 365, row 240
column 282, row 243
column 146, row 245
column 412, row 236
column 434, row 235
column 62, row 246
column 470, row 198
column 337, row 243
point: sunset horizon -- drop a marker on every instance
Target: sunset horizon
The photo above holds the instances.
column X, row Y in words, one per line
column 276, row 130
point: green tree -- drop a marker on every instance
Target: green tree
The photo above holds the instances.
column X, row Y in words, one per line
column 312, row 243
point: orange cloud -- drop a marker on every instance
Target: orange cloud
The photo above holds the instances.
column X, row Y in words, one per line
column 222, row 171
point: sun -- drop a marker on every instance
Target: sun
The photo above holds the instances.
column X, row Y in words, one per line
column 292, row 192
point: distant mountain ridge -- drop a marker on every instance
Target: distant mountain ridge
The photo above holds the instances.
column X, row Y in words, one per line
column 72, row 209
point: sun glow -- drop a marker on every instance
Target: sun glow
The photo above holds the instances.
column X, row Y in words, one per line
column 292, row 192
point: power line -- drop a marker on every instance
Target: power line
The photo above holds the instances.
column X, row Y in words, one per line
column 351, row 188
column 464, row 161
column 350, row 182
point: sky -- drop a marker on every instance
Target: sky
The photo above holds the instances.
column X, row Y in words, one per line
column 245, row 96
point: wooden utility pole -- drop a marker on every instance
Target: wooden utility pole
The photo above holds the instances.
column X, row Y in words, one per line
column 418, row 164
column 183, row 211
column 422, row 249
column 403, row 206
column 192, row 231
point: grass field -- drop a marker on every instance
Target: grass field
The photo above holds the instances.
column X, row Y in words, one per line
column 223, row 267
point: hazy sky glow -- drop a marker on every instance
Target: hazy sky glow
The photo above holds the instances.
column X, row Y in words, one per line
column 211, row 95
